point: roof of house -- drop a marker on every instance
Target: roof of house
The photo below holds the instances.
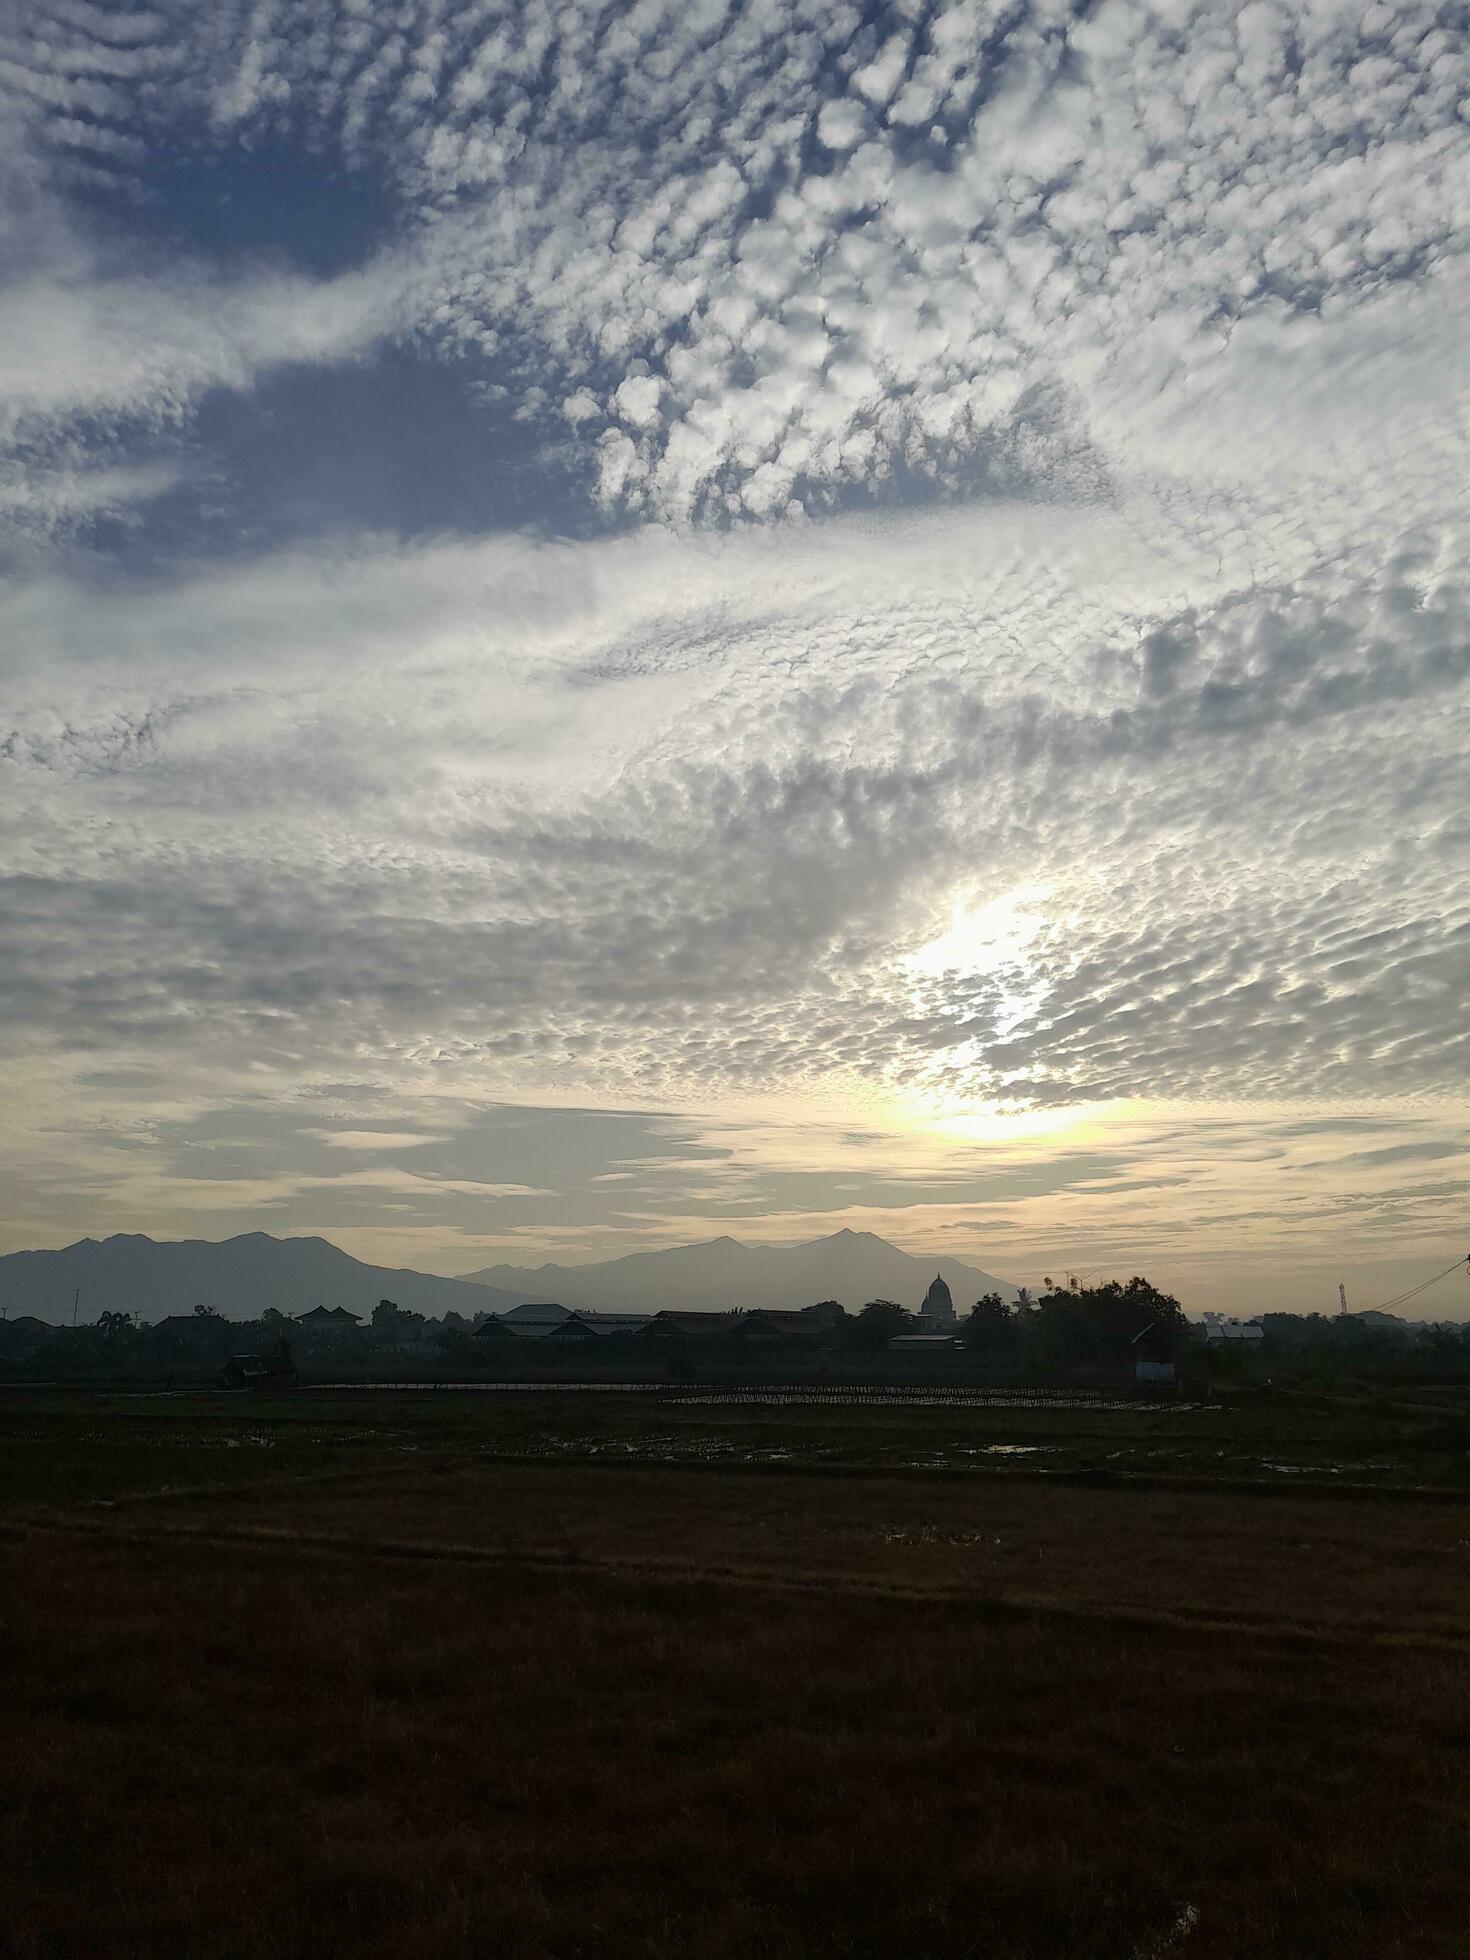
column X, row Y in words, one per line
column 585, row 1324
column 325, row 1316
column 686, row 1320
column 532, row 1323
column 777, row 1323
column 23, row 1327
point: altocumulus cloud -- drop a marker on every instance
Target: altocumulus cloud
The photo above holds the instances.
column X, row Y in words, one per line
column 959, row 452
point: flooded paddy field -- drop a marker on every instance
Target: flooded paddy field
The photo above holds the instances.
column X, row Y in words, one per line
column 453, row 1674
column 60, row 1440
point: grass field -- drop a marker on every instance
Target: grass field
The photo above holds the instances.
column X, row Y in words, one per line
column 554, row 1676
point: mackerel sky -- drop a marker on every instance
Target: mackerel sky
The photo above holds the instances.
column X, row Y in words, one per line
column 622, row 623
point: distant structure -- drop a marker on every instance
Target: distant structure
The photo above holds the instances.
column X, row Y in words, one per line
column 935, row 1325
column 327, row 1318
column 937, row 1313
column 532, row 1320
column 550, row 1321
column 1225, row 1327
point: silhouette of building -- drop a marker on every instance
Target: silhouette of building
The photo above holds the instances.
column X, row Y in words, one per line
column 533, row 1320
column 1225, row 1327
column 586, row 1325
column 935, row 1327
column 937, row 1315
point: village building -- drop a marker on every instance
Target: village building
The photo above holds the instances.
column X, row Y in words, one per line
column 778, row 1327
column 189, row 1336
column 533, row 1320
column 683, row 1324
column 327, row 1320
column 24, row 1336
column 1225, row 1327
column 584, row 1325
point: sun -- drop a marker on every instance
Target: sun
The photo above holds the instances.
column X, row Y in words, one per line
column 985, row 938
column 988, row 945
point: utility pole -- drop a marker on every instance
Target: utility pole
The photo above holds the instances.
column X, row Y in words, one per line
column 76, row 1300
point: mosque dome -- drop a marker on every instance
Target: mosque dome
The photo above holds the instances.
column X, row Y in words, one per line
column 938, row 1301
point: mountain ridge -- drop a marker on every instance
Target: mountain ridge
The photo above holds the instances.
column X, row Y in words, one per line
column 242, row 1276
column 715, row 1275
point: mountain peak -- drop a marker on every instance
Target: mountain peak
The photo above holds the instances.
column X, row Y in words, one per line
column 242, row 1276
column 717, row 1275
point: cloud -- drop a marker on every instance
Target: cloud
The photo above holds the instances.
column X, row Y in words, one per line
column 1090, row 212
column 1022, row 452
column 768, row 856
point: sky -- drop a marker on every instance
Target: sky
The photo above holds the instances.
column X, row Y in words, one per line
column 621, row 623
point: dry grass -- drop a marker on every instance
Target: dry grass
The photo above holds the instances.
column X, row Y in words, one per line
column 567, row 1711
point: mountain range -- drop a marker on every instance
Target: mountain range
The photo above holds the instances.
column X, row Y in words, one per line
column 242, row 1277
column 718, row 1274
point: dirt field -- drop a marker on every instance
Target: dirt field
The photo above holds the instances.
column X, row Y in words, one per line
column 419, row 1676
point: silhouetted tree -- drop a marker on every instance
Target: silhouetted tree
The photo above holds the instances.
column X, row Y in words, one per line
column 831, row 1316
column 1100, row 1324
column 877, row 1324
column 394, row 1323
column 990, row 1326
column 115, row 1331
column 457, row 1345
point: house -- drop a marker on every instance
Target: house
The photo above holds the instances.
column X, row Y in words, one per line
column 777, row 1327
column 24, row 1335
column 1153, row 1353
column 327, row 1320
column 1153, row 1371
column 189, row 1337
column 531, row 1321
column 1223, row 1327
column 491, row 1328
column 681, row 1324
column 585, row 1325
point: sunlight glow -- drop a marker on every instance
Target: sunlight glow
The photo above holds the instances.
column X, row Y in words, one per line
column 988, row 946
column 984, row 938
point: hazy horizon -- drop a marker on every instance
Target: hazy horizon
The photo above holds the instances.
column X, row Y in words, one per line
column 1432, row 1297
column 641, row 624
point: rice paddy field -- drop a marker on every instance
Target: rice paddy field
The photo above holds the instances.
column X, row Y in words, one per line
column 692, row 1673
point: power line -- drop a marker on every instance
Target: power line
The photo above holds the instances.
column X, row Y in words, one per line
column 1423, row 1287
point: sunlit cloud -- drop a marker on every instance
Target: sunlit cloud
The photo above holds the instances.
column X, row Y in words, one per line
column 710, row 623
